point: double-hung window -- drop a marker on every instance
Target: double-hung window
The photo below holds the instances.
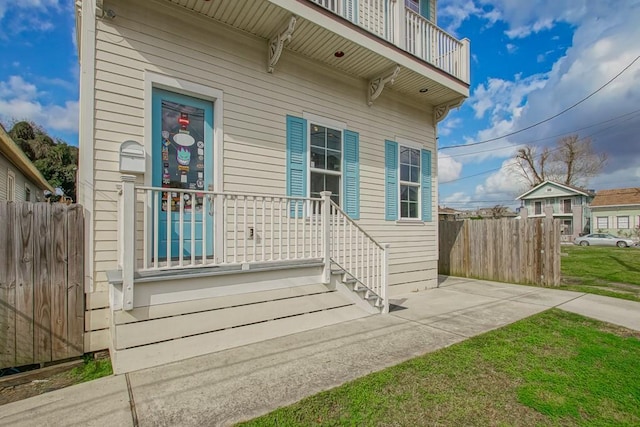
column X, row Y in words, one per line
column 325, row 161
column 408, row 193
column 323, row 155
column 409, row 183
column 623, row 222
column 537, row 208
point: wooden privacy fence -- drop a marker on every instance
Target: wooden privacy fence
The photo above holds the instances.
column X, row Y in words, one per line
column 523, row 251
column 41, row 282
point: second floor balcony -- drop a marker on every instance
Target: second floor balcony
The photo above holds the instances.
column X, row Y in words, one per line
column 400, row 22
column 377, row 41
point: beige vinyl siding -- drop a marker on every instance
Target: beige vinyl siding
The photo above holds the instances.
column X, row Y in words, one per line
column 193, row 48
column 20, row 182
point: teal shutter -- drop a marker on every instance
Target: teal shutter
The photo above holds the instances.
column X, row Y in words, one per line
column 296, row 159
column 426, row 185
column 424, row 9
column 351, row 180
column 391, row 180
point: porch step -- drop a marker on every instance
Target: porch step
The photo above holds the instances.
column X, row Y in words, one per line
column 157, row 335
column 351, row 284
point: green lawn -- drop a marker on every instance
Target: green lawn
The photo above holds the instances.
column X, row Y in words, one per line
column 555, row 368
column 602, row 270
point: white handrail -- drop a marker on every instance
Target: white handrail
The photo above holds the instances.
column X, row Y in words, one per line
column 363, row 259
column 174, row 228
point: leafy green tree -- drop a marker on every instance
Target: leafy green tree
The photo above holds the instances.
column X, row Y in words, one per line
column 56, row 160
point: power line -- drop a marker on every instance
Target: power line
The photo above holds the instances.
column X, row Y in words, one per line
column 549, row 118
column 548, row 137
column 550, row 151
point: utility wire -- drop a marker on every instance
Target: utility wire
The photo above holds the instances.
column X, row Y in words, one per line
column 549, row 118
column 550, row 151
column 548, row 137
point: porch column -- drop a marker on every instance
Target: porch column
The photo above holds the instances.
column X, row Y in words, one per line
column 128, row 239
column 326, row 235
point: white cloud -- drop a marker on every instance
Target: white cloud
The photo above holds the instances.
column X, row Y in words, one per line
column 21, row 100
column 504, row 184
column 18, row 16
column 448, row 168
column 511, row 48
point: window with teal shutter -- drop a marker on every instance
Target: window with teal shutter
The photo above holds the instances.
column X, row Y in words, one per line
column 351, row 190
column 332, row 162
column 391, row 180
column 296, row 159
column 426, row 186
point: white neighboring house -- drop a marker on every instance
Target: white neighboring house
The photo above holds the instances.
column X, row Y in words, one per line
column 211, row 133
column 20, row 181
column 567, row 203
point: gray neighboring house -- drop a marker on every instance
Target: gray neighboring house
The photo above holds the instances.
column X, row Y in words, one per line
column 20, row 181
column 567, row 203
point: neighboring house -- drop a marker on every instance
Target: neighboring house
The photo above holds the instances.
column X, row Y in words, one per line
column 616, row 211
column 448, row 214
column 487, row 213
column 210, row 135
column 567, row 203
column 20, row 181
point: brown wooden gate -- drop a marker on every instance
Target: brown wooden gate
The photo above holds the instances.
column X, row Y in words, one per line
column 41, row 282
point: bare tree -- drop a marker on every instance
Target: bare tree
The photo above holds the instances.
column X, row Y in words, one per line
column 572, row 161
column 498, row 211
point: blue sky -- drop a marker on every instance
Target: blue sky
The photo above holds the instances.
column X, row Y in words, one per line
column 530, row 60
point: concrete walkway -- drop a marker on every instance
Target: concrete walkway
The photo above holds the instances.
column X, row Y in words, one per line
column 242, row 383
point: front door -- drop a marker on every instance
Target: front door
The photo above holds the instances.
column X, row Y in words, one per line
column 182, row 156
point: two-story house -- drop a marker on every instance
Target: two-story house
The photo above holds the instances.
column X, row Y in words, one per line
column 256, row 168
column 567, row 203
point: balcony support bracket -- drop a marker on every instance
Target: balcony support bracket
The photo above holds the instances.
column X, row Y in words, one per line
column 441, row 111
column 377, row 85
column 276, row 44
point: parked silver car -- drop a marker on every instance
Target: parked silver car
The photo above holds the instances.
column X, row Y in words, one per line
column 601, row 239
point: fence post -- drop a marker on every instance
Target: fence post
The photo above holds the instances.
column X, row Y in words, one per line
column 128, row 241
column 399, row 30
column 326, row 235
column 385, row 277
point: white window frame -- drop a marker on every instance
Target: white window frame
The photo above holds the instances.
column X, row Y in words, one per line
column 571, row 206
column 414, row 146
column 313, row 119
column 27, row 192
column 412, row 2
column 11, row 186
column 598, row 219
column 541, row 207
column 618, row 222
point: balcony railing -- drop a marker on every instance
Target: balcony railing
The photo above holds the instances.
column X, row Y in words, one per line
column 163, row 229
column 392, row 21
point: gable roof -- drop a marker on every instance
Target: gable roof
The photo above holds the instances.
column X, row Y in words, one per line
column 10, row 150
column 617, row 197
column 571, row 188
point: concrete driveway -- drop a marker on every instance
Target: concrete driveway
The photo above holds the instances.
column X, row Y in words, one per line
column 245, row 382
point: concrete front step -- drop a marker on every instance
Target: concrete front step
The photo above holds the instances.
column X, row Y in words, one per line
column 155, row 335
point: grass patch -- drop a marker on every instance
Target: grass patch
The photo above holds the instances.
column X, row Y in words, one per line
column 613, row 272
column 554, row 368
column 92, row 369
column 621, row 265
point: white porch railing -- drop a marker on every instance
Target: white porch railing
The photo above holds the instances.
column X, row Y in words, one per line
column 392, row 21
column 358, row 254
column 163, row 229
